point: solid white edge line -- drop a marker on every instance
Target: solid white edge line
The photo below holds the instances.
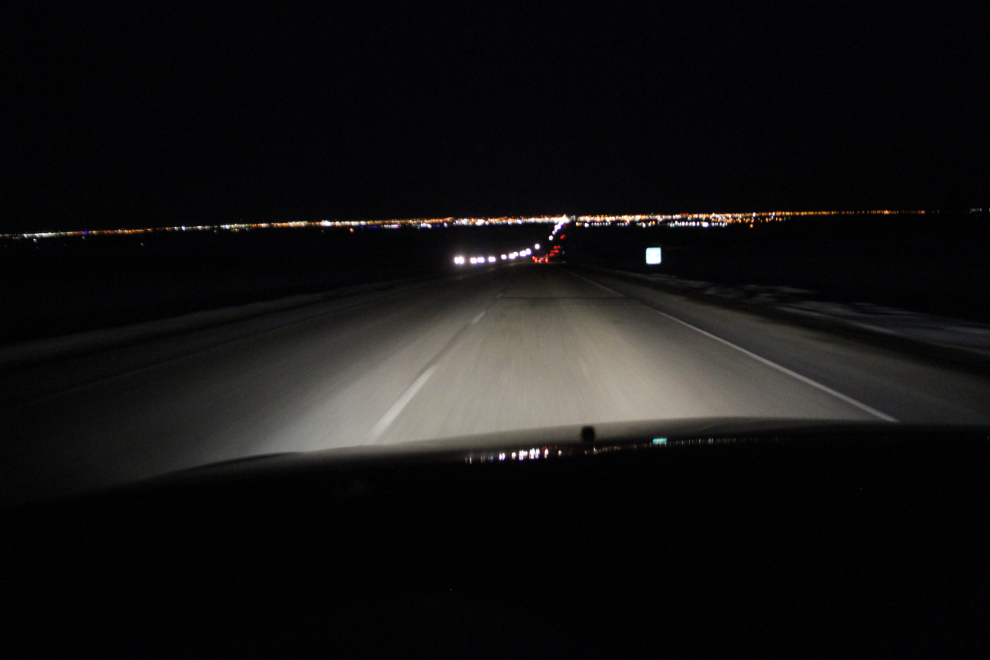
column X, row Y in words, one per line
column 763, row 360
column 380, row 427
column 477, row 318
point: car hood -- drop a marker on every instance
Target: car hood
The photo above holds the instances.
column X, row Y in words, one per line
column 566, row 439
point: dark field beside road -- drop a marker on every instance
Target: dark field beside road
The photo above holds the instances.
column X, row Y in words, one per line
column 933, row 263
column 58, row 286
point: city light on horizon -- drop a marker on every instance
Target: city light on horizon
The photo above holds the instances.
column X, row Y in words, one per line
column 703, row 220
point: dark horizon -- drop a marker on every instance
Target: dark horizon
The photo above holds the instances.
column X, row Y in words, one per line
column 143, row 116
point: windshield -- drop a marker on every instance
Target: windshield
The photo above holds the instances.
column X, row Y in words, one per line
column 233, row 236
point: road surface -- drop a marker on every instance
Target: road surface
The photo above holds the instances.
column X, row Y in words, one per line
column 514, row 348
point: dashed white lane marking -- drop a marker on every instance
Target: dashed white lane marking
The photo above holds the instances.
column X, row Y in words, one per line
column 382, row 425
column 793, row 374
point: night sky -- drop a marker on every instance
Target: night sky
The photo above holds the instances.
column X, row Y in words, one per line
column 139, row 113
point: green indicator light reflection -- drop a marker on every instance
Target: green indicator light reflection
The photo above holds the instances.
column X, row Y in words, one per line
column 659, row 441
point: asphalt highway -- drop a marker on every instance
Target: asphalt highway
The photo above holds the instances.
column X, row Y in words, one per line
column 513, row 348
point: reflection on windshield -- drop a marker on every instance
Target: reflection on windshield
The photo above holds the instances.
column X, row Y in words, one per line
column 572, row 451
